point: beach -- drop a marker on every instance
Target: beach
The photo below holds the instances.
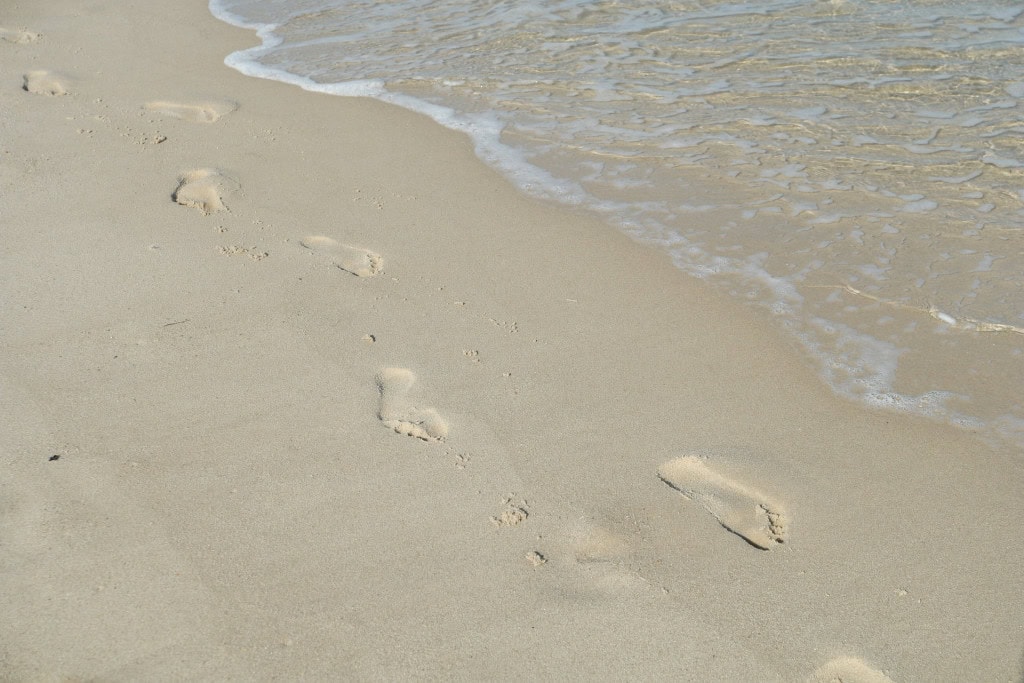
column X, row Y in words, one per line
column 297, row 388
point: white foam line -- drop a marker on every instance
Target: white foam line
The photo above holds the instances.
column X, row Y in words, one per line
column 485, row 131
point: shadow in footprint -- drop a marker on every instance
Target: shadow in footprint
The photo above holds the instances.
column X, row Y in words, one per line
column 737, row 507
column 395, row 412
column 45, row 83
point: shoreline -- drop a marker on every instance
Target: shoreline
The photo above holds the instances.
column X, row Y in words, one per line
column 235, row 397
column 960, row 372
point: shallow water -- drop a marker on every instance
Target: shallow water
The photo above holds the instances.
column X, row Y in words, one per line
column 854, row 166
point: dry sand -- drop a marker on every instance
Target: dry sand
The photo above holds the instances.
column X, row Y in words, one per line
column 294, row 387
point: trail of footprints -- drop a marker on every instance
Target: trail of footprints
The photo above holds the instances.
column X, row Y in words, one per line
column 738, row 507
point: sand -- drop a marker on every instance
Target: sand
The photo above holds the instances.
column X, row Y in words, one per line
column 294, row 387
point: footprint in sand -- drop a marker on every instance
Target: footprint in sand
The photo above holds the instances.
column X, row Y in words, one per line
column 847, row 670
column 45, row 83
column 205, row 189
column 740, row 509
column 599, row 545
column 513, row 513
column 19, row 36
column 395, row 412
column 354, row 260
column 598, row 564
column 196, row 112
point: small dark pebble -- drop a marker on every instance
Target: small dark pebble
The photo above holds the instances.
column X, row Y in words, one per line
column 54, row 457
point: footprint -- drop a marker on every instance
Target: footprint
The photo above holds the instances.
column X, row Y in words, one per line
column 196, row 112
column 45, row 83
column 513, row 513
column 847, row 670
column 742, row 510
column 600, row 545
column 359, row 262
column 600, row 564
column 396, row 413
column 19, row 36
column 204, row 189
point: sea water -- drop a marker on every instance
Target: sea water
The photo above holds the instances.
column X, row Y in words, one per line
column 855, row 167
